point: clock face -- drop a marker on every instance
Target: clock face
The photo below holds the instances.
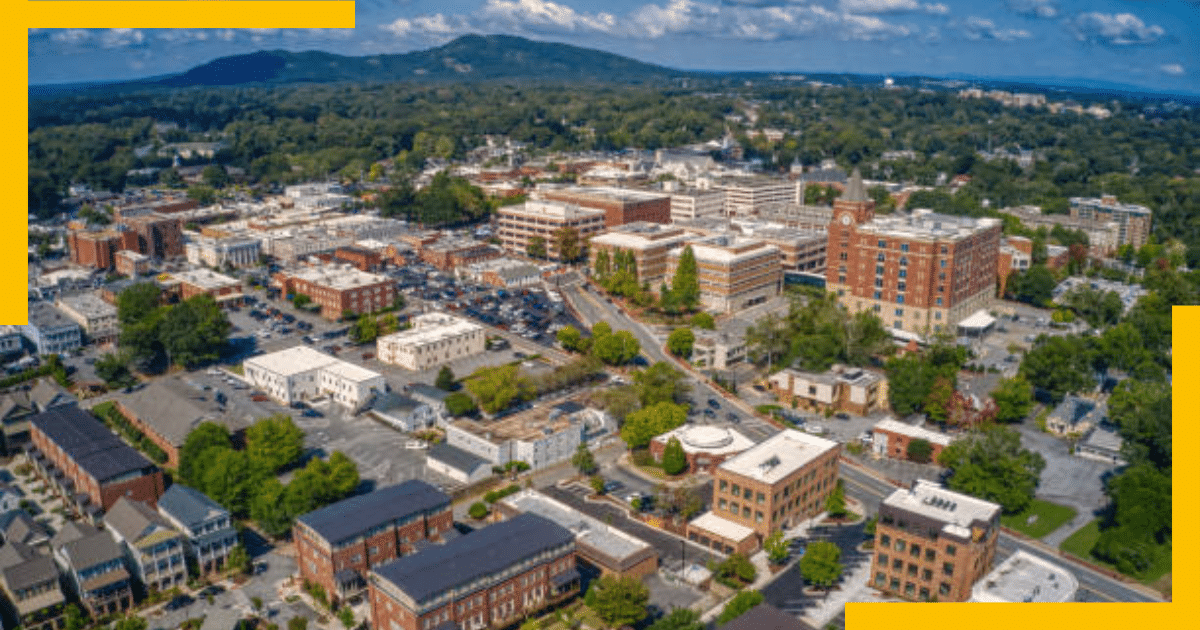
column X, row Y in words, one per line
column 846, row 219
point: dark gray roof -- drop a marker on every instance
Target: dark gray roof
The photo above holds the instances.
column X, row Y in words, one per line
column 24, row 567
column 20, row 527
column 569, row 407
column 135, row 520
column 484, row 552
column 766, row 617
column 70, row 532
column 48, row 394
column 91, row 550
column 428, row 391
column 393, row 402
column 95, row 449
column 189, row 506
column 855, row 191
column 350, row 517
column 456, row 458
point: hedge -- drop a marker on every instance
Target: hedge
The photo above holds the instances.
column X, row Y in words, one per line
column 496, row 495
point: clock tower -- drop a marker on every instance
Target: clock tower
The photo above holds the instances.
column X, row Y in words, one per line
column 854, row 208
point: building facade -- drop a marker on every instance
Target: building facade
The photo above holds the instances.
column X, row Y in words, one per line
column 841, row 388
column 694, row 203
column 1133, row 221
column 156, row 235
column 236, row 251
column 132, row 264
column 620, row 205
column 734, row 272
column 152, row 547
column 208, row 531
column 95, row 568
column 519, row 226
column 434, row 339
column 97, row 317
column 339, row 288
column 302, row 373
column 50, row 331
column 650, row 244
column 746, row 196
column 890, row 438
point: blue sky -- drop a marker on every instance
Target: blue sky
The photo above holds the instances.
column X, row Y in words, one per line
column 1150, row 43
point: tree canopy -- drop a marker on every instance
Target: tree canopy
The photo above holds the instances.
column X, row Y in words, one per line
column 619, row 601
column 642, row 425
column 990, row 463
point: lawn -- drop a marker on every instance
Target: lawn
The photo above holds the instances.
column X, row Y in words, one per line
column 1050, row 516
column 1081, row 543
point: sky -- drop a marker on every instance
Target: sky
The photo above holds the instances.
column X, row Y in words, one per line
column 1154, row 44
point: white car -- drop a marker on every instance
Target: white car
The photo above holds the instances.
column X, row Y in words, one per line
column 416, row 445
column 814, row 429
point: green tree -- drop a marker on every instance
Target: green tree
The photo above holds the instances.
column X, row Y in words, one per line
column 536, row 247
column 445, row 379
column 583, row 461
column 835, row 504
column 478, row 510
column 198, row 451
column 364, row 330
column 572, row 340
column 238, row 560
column 1014, row 399
column 194, row 331
column 619, row 601
column 937, row 402
column 275, row 442
column 620, row 401
column 267, row 508
column 642, row 425
column 737, row 567
column 232, row 478
column 460, row 404
column 616, row 348
column 346, row 616
column 597, row 483
column 215, row 176
column 1035, row 286
column 674, row 460
column 73, row 617
column 910, row 379
column 603, row 265
column 661, row 382
column 739, row 605
column 496, row 388
column 113, row 368
column 776, row 547
column 821, row 564
column 298, row 622
column 685, row 285
column 130, row 622
column 704, row 320
column 678, row 619
column 567, row 241
column 989, row 463
column 919, row 451
column 1059, row 366
column 1142, row 414
column 680, row 342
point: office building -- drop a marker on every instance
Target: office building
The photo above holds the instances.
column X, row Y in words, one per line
column 650, row 244
column 220, row 287
column 735, row 272
column 540, row 437
column 520, row 226
column 302, row 373
column 891, row 438
column 155, row 235
column 132, row 264
column 434, row 340
column 235, row 251
column 1026, row 578
column 97, row 317
column 745, row 196
column 1133, row 221
column 695, row 203
column 704, row 446
column 338, row 289
column 51, row 331
column 840, row 388
column 933, row 543
column 620, row 205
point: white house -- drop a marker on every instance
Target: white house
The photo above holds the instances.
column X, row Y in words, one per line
column 301, row 373
column 404, row 413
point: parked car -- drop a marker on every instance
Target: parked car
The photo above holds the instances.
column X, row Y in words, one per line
column 179, row 602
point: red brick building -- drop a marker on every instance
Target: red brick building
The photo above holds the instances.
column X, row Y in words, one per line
column 705, row 447
column 919, row 272
column 88, row 465
column 620, row 205
column 157, row 236
column 890, row 438
column 98, row 249
column 338, row 288
column 448, row 254
column 337, row 544
column 363, row 259
column 491, row 578
column 221, row 287
column 131, row 263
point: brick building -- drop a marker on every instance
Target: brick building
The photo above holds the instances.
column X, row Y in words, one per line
column 361, row 258
column 131, row 263
column 705, row 447
column 98, row 249
column 222, row 288
column 337, row 544
column 775, row 485
column 620, row 205
column 491, row 578
column 841, row 388
column 918, row 272
column 933, row 543
column 650, row 244
column 338, row 288
column 735, row 272
column 157, row 236
column 519, row 226
column 87, row 464
column 449, row 254
column 890, row 438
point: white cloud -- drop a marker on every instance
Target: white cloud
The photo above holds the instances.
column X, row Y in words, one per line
column 768, row 23
column 1121, row 29
column 72, row 36
column 892, row 6
column 121, row 37
column 434, row 27
column 977, row 28
column 1035, row 8
column 543, row 15
column 1172, row 68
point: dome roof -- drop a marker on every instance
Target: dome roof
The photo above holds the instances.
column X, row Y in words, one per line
column 705, row 437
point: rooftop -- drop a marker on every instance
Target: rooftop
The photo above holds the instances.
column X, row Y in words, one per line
column 589, row 531
column 456, row 458
column 294, row 360
column 708, row 439
column 603, row 193
column 641, row 235
column 926, row 224
column 206, row 279
column 189, row 506
column 724, row 528
column 430, row 328
column 530, row 425
column 550, row 209
column 726, row 249
column 894, row 426
column 87, row 442
column 138, row 523
column 89, row 305
column 336, row 277
column 1111, row 203
column 779, row 456
column 350, row 517
column 45, row 316
column 765, row 617
column 1024, row 577
column 85, row 546
column 351, row 372
column 173, row 409
column 956, row 511
column 482, row 553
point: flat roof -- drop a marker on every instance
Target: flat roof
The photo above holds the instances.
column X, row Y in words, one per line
column 979, row 319
column 429, row 328
column 724, row 528
column 921, row 223
column 1024, row 577
column 726, row 248
column 205, row 279
column 933, row 437
column 955, row 510
column 351, row 372
column 589, row 531
column 88, row 443
column 88, row 305
column 606, row 192
column 338, row 277
column 555, row 209
column 294, row 360
column 542, row 420
column 779, row 456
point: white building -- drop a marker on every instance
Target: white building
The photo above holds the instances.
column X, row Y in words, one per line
column 434, row 339
column 540, row 437
column 504, row 273
column 10, row 339
column 301, row 373
column 1024, row 577
column 746, row 196
column 97, row 317
column 238, row 251
column 694, row 203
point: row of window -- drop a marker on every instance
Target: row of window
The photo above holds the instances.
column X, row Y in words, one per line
column 885, row 540
column 910, row 589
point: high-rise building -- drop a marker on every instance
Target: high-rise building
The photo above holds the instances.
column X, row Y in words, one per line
column 919, row 272
column 620, row 205
column 1133, row 221
column 735, row 272
column 650, row 243
column 520, row 226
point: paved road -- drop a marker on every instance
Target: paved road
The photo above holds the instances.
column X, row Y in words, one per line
column 1093, row 586
column 786, row 592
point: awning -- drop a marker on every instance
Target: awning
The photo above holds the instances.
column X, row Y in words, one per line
column 563, row 579
column 978, row 321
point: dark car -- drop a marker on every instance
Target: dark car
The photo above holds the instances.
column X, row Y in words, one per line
column 179, row 602
column 714, row 403
column 312, row 413
column 211, row 590
column 709, row 413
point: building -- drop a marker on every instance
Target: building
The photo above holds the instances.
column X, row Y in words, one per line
column 217, row 252
column 734, row 272
column 95, row 568
column 766, row 617
column 132, row 264
column 1103, row 236
column 20, row 403
column 544, row 435
column 1076, row 415
column 746, row 196
column 88, row 465
column 704, row 446
column 290, row 246
column 931, row 542
column 302, row 373
column 1103, row 444
column 434, row 339
column 519, row 226
column 1129, row 293
column 695, row 203
column 620, row 205
column 490, row 578
column 1133, row 221
column 339, row 288
column 841, row 388
column 152, row 547
column 218, row 286
column 457, row 464
column 504, row 273
column 800, row 250
column 96, row 249
column 208, row 531
column 451, row 253
column 155, row 235
column 890, row 438
column 97, row 317
column 362, row 259
column 774, row 485
column 717, row 350
column 50, row 331
column 650, row 244
column 601, row 548
column 10, row 340
column 18, row 526
column 1016, row 255
column 32, row 588
column 1026, row 578
column 918, row 272
column 167, row 410
column 10, row 498
column 432, row 396
column 797, row 216
column 337, row 544
column 403, row 413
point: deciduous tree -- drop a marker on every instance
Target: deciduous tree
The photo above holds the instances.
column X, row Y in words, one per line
column 619, row 601
column 821, row 564
column 674, row 460
column 641, row 426
column 680, row 342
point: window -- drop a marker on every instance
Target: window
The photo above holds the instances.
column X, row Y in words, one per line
column 910, row 588
column 883, row 559
column 879, row 270
column 748, row 493
column 944, row 588
column 733, row 507
column 879, row 295
column 912, row 570
column 899, row 312
column 885, row 540
column 881, row 257
column 894, row 584
column 724, row 485
column 924, row 593
column 758, row 517
column 943, row 264
column 761, row 498
column 721, row 504
column 880, row 579
column 745, row 512
column 878, row 283
column 927, row 575
column 915, row 550
column 930, row 554
column 950, row 549
column 899, row 546
column 882, row 244
column 841, row 279
column 899, row 299
column 897, row 564
column 947, row 569
column 902, row 286
column 939, row 300
column 737, row 490
column 944, row 250
column 904, row 261
column 903, row 247
column 903, row 273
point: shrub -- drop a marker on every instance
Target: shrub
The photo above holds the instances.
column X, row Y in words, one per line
column 495, row 495
column 478, row 510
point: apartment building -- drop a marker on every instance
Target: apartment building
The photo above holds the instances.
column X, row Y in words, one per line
column 50, row 330
column 434, row 339
column 518, row 226
column 302, row 373
column 797, row 216
column 152, row 547
column 94, row 565
column 620, row 205
column 540, row 437
column 1133, row 221
column 890, row 438
column 132, row 264
column 208, row 530
column 337, row 544
column 840, row 388
column 338, row 288
column 236, row 251
column 745, row 196
column 735, row 272
column 1104, row 236
column 933, row 543
column 97, row 249
column 218, row 286
column 650, row 244
column 491, row 578
column 156, row 235
column 918, row 272
column 97, row 317
column 31, row 584
column 696, row 203
column 774, row 485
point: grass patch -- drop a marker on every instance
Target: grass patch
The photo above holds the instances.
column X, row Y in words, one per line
column 1050, row 516
column 237, row 369
column 1081, row 543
